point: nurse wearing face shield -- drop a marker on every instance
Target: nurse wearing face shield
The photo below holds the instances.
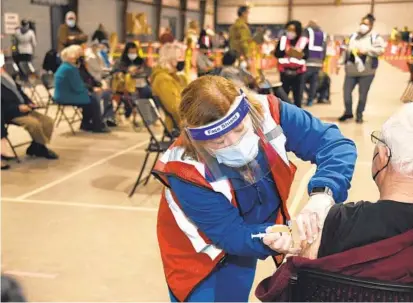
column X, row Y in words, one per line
column 227, row 180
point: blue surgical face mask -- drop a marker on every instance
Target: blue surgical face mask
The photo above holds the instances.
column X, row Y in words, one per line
column 241, row 153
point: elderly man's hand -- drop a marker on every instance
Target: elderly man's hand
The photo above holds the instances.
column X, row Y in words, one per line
column 23, row 108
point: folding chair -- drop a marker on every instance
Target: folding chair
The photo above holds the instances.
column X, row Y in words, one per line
column 29, row 79
column 150, row 115
column 309, row 285
column 48, row 82
column 175, row 132
column 13, row 147
column 70, row 120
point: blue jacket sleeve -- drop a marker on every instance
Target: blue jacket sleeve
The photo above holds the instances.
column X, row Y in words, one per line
column 219, row 220
column 323, row 145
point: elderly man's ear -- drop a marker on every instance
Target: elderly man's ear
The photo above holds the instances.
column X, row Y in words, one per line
column 383, row 156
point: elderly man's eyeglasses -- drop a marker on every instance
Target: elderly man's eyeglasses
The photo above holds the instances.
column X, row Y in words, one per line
column 377, row 137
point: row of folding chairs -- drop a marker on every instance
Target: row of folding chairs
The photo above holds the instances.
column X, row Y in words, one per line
column 146, row 108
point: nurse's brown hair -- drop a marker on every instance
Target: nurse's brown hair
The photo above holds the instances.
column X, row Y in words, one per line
column 205, row 100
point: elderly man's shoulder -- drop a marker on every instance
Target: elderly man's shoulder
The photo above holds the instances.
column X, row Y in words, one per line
column 354, row 208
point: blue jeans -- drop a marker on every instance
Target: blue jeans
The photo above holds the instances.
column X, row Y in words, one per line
column 107, row 112
column 230, row 282
column 364, row 83
column 311, row 78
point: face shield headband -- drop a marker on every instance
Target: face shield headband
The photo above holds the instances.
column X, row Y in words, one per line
column 236, row 114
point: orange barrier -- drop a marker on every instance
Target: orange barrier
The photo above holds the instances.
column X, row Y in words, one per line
column 398, row 56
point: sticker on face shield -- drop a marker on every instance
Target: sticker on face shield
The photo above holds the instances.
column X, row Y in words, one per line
column 223, row 125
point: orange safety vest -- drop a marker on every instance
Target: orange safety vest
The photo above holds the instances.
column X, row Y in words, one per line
column 188, row 256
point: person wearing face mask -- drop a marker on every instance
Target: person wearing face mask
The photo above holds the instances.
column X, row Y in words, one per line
column 71, row 89
column 361, row 62
column 203, row 62
column 238, row 75
column 227, row 180
column 292, row 51
column 135, row 72
column 94, row 68
column 317, row 47
column 364, row 239
column 167, row 84
column 69, row 33
column 17, row 108
column 26, row 42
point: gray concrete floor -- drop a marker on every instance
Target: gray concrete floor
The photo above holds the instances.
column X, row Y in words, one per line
column 70, row 232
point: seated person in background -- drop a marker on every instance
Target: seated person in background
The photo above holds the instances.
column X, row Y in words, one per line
column 231, row 72
column 167, row 37
column 134, row 77
column 94, row 67
column 71, row 90
column 166, row 84
column 364, row 239
column 100, row 34
column 104, row 54
column 70, row 33
column 17, row 108
column 205, row 40
column 203, row 62
column 323, row 88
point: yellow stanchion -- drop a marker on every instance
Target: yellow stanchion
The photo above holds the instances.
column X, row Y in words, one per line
column 188, row 62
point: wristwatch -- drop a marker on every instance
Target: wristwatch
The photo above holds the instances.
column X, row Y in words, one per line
column 321, row 190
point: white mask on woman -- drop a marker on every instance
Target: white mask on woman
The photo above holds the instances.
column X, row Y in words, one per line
column 291, row 35
column 132, row 57
column 364, row 28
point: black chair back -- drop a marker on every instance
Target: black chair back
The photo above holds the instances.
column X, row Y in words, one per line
column 150, row 115
column 175, row 131
column 48, row 80
column 309, row 285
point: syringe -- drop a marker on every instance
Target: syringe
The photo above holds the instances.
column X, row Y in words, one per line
column 260, row 235
column 275, row 228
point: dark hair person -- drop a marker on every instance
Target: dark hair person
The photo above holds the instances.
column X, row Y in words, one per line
column 361, row 62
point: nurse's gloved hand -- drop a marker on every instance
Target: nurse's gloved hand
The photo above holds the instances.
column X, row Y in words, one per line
column 311, row 219
column 281, row 242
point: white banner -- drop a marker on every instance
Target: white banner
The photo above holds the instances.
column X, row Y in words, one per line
column 11, row 21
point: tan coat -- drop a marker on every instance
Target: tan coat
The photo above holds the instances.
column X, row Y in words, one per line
column 168, row 88
column 240, row 37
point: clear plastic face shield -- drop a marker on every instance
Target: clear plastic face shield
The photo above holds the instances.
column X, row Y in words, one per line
column 233, row 146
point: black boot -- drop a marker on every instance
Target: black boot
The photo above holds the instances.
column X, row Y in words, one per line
column 345, row 117
column 32, row 150
column 47, row 153
column 359, row 119
column 40, row 150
